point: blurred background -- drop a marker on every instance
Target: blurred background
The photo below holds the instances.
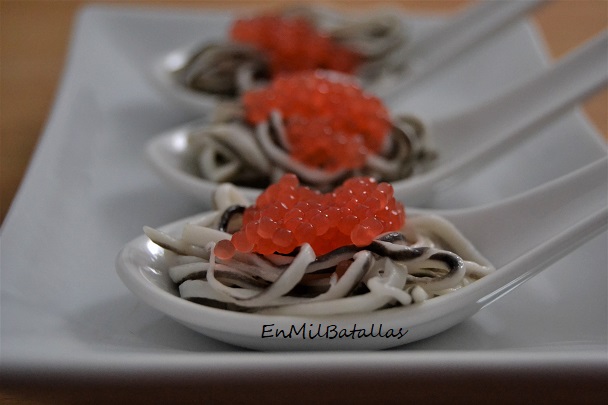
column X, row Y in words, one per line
column 35, row 37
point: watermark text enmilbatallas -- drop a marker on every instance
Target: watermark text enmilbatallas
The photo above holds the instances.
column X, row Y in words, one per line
column 330, row 331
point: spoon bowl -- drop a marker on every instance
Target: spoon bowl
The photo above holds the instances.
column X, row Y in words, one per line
column 520, row 236
column 464, row 142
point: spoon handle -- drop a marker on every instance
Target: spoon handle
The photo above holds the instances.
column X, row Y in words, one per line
column 459, row 33
column 551, row 219
column 563, row 216
column 527, row 233
column 482, row 133
column 467, row 28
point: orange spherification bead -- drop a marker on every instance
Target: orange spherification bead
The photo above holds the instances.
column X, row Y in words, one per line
column 321, row 223
column 347, row 224
column 295, row 213
column 305, row 232
column 373, row 203
column 366, row 231
column 224, row 249
column 251, row 227
column 289, row 180
column 342, row 198
column 241, row 242
column 283, row 238
column 333, row 214
column 264, row 246
column 267, row 227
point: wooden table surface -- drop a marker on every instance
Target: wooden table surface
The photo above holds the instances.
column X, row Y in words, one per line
column 34, row 40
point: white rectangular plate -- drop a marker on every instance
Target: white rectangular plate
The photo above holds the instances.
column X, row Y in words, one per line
column 88, row 191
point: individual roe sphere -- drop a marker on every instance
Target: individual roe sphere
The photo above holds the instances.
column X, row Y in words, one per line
column 354, row 214
column 224, row 249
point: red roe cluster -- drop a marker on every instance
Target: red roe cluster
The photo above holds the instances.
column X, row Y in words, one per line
column 287, row 215
column 293, row 44
column 330, row 123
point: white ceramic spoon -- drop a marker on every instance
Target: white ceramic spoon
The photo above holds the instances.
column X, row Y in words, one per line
column 521, row 236
column 464, row 142
column 424, row 55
